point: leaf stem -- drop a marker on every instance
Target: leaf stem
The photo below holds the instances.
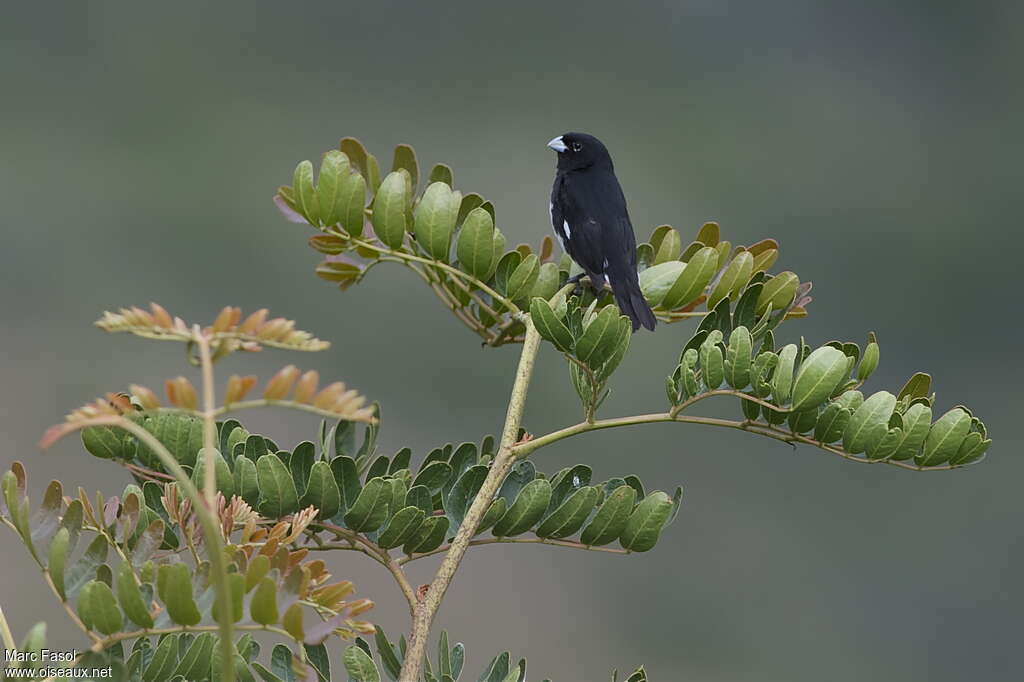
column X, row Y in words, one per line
column 499, row 541
column 425, row 611
column 512, row 307
column 375, row 552
column 763, row 429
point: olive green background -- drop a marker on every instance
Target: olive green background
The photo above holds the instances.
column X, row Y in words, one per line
column 878, row 142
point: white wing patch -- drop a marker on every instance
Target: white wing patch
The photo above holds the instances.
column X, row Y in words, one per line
column 565, row 228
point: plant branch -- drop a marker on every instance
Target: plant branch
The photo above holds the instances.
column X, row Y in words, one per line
column 499, row 541
column 503, row 461
column 375, row 552
column 525, row 449
column 512, row 307
column 209, row 425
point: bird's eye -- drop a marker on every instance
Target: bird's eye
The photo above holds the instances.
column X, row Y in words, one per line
column 576, row 146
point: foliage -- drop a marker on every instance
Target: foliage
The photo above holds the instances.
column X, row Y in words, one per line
column 130, row 581
column 216, row 532
column 452, row 242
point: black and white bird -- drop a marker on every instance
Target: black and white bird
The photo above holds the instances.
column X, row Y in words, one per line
column 589, row 216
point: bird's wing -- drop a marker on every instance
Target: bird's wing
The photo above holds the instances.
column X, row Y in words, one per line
column 576, row 225
column 607, row 209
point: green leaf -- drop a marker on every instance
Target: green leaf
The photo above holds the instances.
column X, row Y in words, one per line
column 346, row 476
column 570, row 516
column 598, row 341
column 818, row 377
column 259, row 566
column 58, row 555
column 405, row 157
column 944, row 438
column 733, row 278
column 246, row 481
column 695, row 277
column 278, row 496
column 222, row 474
column 709, row 234
column 370, row 509
column 463, row 493
column 831, row 423
column 645, row 523
column 917, row 420
column 333, row 168
column 107, row 442
column 195, row 663
column 300, row 464
column 390, row 209
column 782, row 380
column 972, row 448
column 130, row 597
column 174, row 585
column 442, row 173
column 84, row 569
column 181, row 434
column 523, row 278
column 611, row 517
column 98, row 608
column 356, row 153
column 656, row 280
column 281, row 663
column 522, row 473
column 236, row 586
column 419, row 496
column 164, row 660
column 778, row 291
column 322, row 491
column 360, row 666
column 711, row 361
column 494, row 512
column 738, row 358
column 429, row 537
column 351, row 204
column 917, row 386
column 305, row 196
column 434, row 475
column 434, row 219
column 498, row 669
column 549, row 326
column 528, row 508
column 475, row 247
column 869, row 363
column 386, row 650
column 869, row 422
column 263, row 607
column 667, row 243
column 401, row 527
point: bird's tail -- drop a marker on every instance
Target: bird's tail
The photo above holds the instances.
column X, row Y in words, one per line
column 631, row 301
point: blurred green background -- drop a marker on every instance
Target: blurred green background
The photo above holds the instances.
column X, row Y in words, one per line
column 878, row 142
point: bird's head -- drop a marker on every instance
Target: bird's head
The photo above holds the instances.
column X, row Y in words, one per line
column 577, row 151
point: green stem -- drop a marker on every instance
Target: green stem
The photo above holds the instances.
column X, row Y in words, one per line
column 375, row 552
column 425, row 611
column 5, row 633
column 525, row 449
column 502, row 541
column 512, row 307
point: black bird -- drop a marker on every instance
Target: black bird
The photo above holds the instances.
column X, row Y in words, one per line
column 589, row 216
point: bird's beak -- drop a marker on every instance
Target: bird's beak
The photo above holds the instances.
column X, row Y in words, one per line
column 557, row 144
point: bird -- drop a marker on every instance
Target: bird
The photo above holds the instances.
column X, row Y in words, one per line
column 591, row 222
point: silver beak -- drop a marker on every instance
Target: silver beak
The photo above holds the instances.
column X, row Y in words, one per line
column 557, row 144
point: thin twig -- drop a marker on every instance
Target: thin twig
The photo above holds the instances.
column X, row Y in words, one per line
column 500, row 541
